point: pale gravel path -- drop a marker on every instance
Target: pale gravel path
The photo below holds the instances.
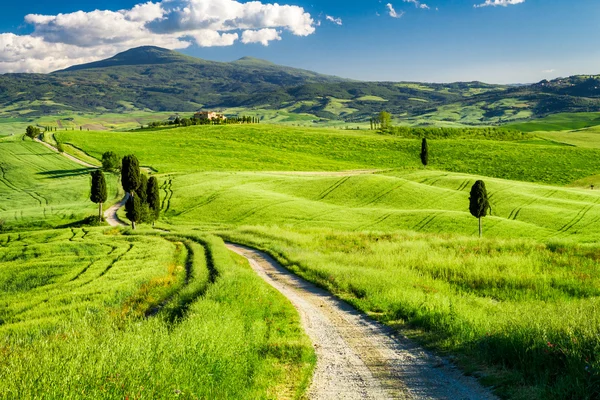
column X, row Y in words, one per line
column 110, row 215
column 70, row 157
column 357, row 357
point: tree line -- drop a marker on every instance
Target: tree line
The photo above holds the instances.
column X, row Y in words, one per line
column 143, row 193
column 178, row 121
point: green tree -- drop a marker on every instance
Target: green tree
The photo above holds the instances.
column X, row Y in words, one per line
column 98, row 191
column 142, row 190
column 186, row 122
column 134, row 210
column 32, row 131
column 385, row 119
column 130, row 174
column 479, row 204
column 424, row 152
column 110, row 161
column 153, row 199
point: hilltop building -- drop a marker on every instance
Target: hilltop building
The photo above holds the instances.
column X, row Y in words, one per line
column 209, row 115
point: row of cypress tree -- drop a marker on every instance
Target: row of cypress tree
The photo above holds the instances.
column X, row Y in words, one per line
column 143, row 195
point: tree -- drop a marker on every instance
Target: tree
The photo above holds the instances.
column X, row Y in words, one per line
column 385, row 119
column 99, row 192
column 479, row 204
column 134, row 210
column 130, row 173
column 110, row 161
column 424, row 152
column 142, row 190
column 153, row 199
column 32, row 131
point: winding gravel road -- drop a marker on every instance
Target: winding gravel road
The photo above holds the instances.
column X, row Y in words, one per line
column 357, row 357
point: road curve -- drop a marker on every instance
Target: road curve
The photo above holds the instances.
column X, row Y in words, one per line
column 357, row 357
column 110, row 215
column 70, row 157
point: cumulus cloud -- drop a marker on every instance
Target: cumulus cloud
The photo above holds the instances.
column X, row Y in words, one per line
column 58, row 41
column 392, row 13
column 337, row 21
column 496, row 3
column 263, row 36
column 418, row 4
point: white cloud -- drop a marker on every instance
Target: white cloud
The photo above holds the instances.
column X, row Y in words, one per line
column 548, row 71
column 337, row 21
column 496, row 3
column 392, row 13
column 208, row 38
column 418, row 4
column 263, row 36
column 58, row 41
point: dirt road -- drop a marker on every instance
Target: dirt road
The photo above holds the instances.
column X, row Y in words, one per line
column 358, row 358
column 70, row 157
column 110, row 215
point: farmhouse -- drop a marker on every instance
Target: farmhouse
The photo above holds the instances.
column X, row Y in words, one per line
column 209, row 115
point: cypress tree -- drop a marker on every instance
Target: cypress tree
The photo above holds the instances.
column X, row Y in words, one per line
column 424, row 152
column 153, row 198
column 110, row 161
column 98, row 192
column 142, row 190
column 479, row 204
column 133, row 209
column 130, row 174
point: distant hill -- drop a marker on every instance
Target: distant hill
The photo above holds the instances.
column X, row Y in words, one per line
column 152, row 78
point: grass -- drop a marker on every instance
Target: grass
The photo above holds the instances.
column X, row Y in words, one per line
column 235, row 148
column 42, row 188
column 235, row 337
column 396, row 240
column 525, row 310
column 560, row 122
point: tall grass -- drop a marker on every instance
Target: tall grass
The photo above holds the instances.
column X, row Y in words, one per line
column 529, row 310
column 238, row 338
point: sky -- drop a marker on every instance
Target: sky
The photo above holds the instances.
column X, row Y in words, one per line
column 495, row 41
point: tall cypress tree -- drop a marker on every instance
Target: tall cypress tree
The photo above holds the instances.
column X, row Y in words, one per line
column 130, row 173
column 134, row 211
column 153, row 198
column 99, row 193
column 424, row 152
column 479, row 204
column 142, row 190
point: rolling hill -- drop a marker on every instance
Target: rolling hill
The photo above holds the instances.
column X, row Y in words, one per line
column 155, row 79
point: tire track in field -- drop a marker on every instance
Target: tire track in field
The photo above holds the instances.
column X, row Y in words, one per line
column 425, row 222
column 378, row 221
column 333, row 187
column 259, row 208
column 382, row 195
column 10, row 185
column 113, row 262
column 578, row 218
column 463, row 185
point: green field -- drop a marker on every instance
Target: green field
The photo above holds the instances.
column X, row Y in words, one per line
column 354, row 212
column 91, row 313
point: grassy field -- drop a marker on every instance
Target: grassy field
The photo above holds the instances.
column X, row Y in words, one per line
column 274, row 148
column 518, row 308
column 524, row 308
column 560, row 122
column 94, row 314
column 43, row 189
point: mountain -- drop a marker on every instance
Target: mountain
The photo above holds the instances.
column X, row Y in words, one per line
column 152, row 78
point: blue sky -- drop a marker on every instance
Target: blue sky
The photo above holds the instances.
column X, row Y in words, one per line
column 432, row 41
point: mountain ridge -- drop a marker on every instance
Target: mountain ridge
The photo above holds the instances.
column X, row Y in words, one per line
column 152, row 78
